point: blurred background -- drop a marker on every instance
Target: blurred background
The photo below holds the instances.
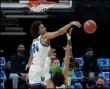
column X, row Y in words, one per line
column 16, row 19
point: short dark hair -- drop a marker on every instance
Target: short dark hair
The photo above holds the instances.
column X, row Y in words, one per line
column 20, row 44
column 100, row 77
column 35, row 28
column 56, row 77
column 55, row 59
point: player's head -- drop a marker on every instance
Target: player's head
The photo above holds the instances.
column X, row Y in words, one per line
column 37, row 28
column 58, row 79
column 55, row 62
column 56, row 75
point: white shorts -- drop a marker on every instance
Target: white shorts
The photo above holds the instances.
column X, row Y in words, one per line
column 36, row 75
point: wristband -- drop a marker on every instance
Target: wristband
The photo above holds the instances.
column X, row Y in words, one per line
column 68, row 37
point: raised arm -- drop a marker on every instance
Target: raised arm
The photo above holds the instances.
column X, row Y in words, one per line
column 61, row 31
column 66, row 62
column 69, row 40
column 68, row 54
column 72, row 63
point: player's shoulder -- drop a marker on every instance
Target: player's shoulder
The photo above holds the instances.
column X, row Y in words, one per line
column 47, row 34
column 36, row 39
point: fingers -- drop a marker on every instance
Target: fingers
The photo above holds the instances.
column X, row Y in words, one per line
column 52, row 52
column 67, row 48
column 70, row 31
column 54, row 55
column 78, row 24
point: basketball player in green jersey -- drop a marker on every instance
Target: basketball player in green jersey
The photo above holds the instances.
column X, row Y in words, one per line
column 54, row 76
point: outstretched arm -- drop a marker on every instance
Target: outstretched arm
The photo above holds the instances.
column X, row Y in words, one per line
column 69, row 40
column 61, row 31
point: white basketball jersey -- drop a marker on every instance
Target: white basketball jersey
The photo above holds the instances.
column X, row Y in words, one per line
column 40, row 52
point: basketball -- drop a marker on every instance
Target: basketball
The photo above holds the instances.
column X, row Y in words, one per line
column 90, row 26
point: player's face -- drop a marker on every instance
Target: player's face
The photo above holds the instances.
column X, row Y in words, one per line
column 56, row 63
column 42, row 29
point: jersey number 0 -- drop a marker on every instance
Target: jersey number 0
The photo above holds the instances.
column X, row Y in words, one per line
column 35, row 48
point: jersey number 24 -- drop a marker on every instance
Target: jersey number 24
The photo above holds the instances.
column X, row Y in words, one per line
column 35, row 48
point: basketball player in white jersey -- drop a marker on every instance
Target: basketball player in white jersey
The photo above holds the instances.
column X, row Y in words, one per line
column 40, row 48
